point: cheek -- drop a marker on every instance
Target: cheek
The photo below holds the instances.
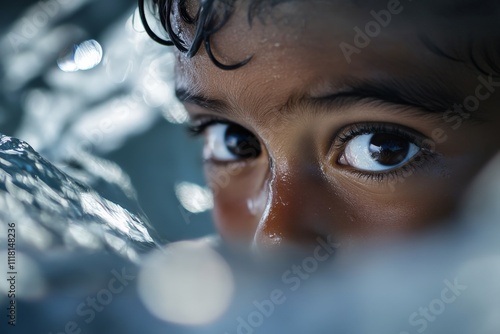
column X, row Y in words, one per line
column 240, row 196
column 365, row 215
column 234, row 221
column 410, row 203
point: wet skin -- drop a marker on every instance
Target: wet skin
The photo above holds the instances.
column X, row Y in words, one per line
column 314, row 122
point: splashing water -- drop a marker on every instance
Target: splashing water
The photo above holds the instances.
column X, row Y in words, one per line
column 52, row 210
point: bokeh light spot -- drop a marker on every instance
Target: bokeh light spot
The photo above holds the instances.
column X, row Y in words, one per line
column 83, row 56
column 188, row 283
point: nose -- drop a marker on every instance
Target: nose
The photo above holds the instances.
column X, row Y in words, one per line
column 297, row 213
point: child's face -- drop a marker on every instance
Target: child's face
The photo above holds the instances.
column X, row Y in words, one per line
column 300, row 143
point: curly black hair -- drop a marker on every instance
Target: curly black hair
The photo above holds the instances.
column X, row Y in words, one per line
column 212, row 15
column 210, row 18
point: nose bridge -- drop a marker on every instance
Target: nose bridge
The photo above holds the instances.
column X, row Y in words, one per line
column 293, row 214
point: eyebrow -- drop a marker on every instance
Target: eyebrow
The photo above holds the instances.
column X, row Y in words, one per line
column 431, row 97
column 185, row 96
column 427, row 97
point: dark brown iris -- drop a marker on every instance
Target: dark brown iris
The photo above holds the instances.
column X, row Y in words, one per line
column 241, row 142
column 389, row 149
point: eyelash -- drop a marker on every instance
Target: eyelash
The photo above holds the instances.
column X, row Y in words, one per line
column 399, row 173
column 199, row 126
column 347, row 133
column 425, row 155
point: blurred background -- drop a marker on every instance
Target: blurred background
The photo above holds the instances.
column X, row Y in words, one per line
column 84, row 85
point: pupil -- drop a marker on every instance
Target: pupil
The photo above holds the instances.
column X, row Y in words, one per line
column 241, row 142
column 388, row 149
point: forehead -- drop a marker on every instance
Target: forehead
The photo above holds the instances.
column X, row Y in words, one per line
column 310, row 46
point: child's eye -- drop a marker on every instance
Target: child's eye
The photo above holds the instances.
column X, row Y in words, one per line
column 376, row 152
column 227, row 142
